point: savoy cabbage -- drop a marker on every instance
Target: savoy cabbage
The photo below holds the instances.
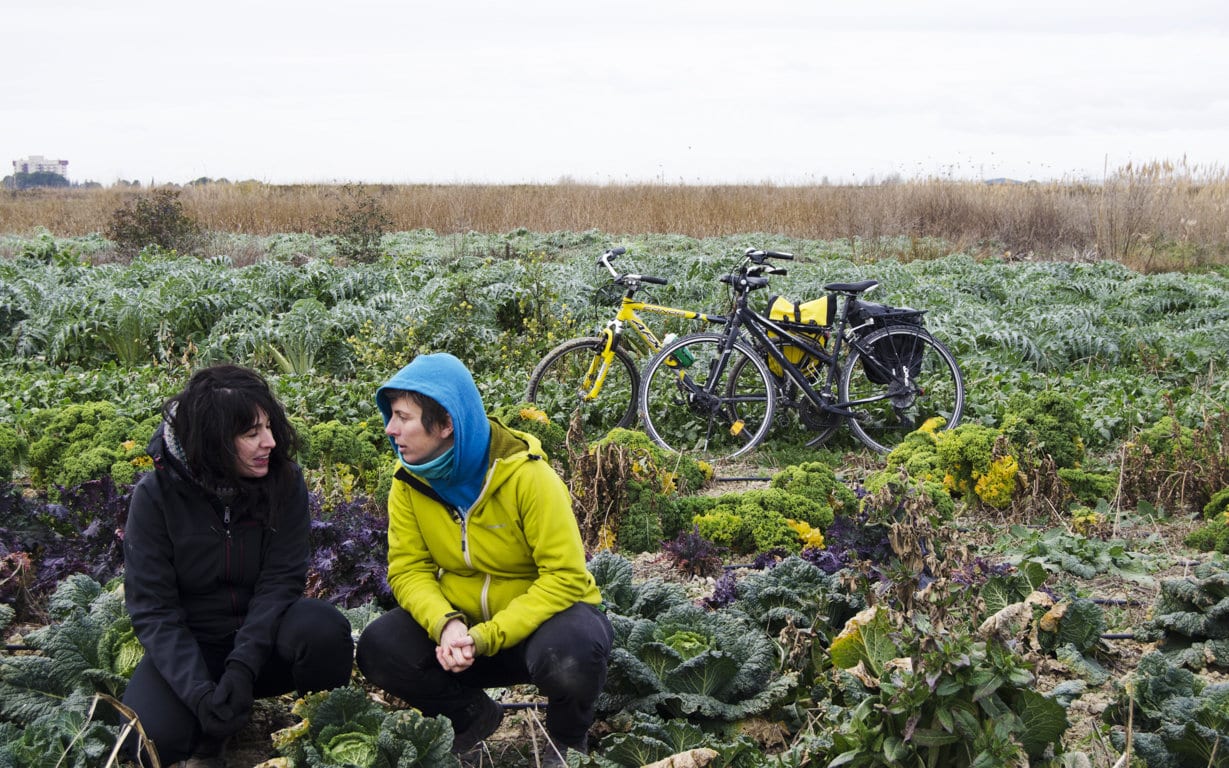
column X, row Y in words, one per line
column 694, row 663
column 344, row 727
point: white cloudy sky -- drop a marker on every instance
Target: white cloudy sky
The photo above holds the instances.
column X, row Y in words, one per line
column 703, row 91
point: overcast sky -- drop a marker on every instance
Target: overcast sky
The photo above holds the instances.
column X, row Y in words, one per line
column 713, row 91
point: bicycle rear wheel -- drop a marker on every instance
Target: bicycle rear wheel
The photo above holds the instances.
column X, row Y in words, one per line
column 696, row 401
column 569, row 381
column 913, row 379
column 790, row 398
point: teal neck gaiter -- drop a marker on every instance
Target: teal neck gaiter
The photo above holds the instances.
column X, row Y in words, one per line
column 435, row 469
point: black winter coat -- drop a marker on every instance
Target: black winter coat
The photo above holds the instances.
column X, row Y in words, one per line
column 199, row 571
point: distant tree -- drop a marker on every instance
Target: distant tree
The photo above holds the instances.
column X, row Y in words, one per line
column 36, row 179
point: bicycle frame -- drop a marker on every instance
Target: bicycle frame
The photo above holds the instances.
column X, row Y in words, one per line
column 612, row 333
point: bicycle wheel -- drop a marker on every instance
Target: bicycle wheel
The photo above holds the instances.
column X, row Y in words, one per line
column 924, row 383
column 569, row 380
column 695, row 402
column 790, row 398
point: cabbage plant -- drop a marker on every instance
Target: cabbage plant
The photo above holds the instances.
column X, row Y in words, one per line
column 693, row 663
column 344, row 727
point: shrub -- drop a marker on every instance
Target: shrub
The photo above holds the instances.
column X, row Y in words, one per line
column 359, row 225
column 157, row 219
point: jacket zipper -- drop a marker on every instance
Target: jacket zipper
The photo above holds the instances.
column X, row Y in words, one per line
column 234, row 604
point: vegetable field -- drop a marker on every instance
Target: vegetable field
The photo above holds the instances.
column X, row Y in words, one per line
column 1043, row 585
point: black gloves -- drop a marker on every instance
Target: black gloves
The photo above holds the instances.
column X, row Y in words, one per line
column 224, row 708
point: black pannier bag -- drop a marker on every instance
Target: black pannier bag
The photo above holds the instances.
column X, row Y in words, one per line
column 895, row 352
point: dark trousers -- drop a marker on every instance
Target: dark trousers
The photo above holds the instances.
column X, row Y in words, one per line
column 565, row 658
column 313, row 652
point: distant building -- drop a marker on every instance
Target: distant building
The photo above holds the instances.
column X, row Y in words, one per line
column 40, row 164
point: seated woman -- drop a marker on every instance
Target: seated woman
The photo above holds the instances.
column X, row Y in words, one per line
column 486, row 563
column 215, row 565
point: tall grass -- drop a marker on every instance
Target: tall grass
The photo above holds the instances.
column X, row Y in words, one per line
column 1156, row 217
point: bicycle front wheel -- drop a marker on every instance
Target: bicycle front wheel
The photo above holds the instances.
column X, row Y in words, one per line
column 697, row 400
column 574, row 380
column 900, row 378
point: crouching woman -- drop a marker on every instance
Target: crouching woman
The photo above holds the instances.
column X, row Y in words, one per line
column 215, row 566
column 486, row 564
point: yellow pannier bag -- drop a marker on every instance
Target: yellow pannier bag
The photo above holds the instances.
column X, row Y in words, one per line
column 816, row 312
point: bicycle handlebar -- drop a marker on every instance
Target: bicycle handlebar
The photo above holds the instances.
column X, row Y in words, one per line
column 758, row 256
column 630, row 278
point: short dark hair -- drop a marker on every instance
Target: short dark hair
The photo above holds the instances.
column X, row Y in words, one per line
column 220, row 403
column 434, row 416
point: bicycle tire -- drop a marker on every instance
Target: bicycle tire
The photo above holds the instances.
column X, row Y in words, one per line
column 557, row 386
column 725, row 422
column 933, row 386
column 821, row 426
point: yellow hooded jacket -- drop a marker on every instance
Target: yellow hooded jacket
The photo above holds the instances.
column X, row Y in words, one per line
column 513, row 561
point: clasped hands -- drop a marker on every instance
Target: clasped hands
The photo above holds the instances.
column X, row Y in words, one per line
column 225, row 709
column 455, row 651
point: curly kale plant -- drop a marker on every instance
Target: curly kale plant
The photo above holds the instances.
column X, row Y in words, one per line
column 1045, row 423
column 760, row 520
column 85, row 441
column 1177, row 718
column 694, row 664
column 344, row 727
column 817, row 481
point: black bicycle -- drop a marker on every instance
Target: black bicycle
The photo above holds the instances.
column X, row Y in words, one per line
column 875, row 367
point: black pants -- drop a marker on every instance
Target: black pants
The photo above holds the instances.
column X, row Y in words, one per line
column 313, row 652
column 565, row 658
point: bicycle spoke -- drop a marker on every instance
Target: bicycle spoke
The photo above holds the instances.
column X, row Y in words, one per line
column 911, row 380
column 575, row 381
column 694, row 402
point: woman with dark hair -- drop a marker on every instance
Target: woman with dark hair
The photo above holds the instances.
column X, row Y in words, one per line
column 215, row 565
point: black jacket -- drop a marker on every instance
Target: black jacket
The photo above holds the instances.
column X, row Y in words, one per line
column 198, row 571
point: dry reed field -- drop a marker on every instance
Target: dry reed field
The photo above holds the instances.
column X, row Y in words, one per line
column 1154, row 217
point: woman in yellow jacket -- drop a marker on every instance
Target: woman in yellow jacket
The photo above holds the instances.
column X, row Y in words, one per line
column 486, row 563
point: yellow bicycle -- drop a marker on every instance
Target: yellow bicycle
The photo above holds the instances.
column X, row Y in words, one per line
column 598, row 376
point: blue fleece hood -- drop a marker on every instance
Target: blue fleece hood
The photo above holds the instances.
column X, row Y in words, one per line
column 446, row 380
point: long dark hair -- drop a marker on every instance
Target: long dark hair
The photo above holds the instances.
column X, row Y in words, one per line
column 220, row 403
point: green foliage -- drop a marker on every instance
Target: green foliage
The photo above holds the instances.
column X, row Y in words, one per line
column 1190, row 619
column 628, row 489
column 88, row 648
column 817, row 481
column 961, row 702
column 11, row 447
column 345, row 727
column 1045, row 423
column 1058, row 549
column 157, row 219
column 758, row 520
column 1213, row 534
column 1077, row 623
column 694, row 664
column 639, row 739
column 74, row 734
column 358, row 227
column 795, row 592
column 1177, row 719
column 1089, row 487
column 647, row 598
column 83, row 441
column 527, row 418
